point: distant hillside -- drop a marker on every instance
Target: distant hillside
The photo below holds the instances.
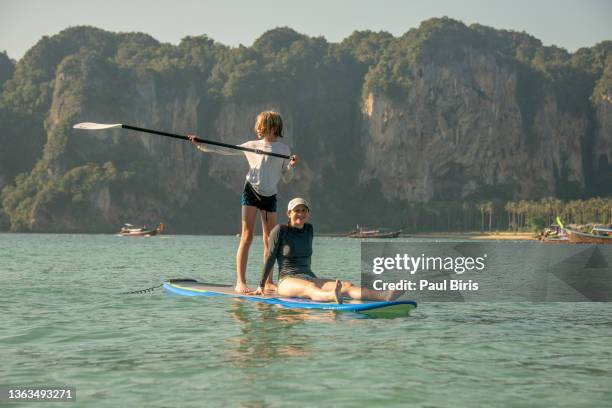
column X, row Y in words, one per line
column 383, row 125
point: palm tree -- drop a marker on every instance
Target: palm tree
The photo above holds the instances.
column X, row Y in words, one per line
column 597, row 209
column 521, row 208
column 510, row 208
column 482, row 207
column 489, row 208
column 547, row 207
column 556, row 206
column 467, row 209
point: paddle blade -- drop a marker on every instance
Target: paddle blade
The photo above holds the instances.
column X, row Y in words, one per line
column 96, row 126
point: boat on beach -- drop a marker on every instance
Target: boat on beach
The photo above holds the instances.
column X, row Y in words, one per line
column 586, row 234
column 128, row 230
column 598, row 235
column 373, row 233
column 554, row 233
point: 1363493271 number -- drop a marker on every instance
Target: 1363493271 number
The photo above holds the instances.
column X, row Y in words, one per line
column 15, row 394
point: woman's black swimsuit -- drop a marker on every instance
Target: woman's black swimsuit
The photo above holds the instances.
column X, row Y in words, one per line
column 291, row 248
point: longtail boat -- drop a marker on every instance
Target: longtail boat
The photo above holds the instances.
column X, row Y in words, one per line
column 375, row 233
column 554, row 233
column 598, row 234
column 128, row 230
column 595, row 237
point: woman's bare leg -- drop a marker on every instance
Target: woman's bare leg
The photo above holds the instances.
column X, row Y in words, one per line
column 359, row 293
column 242, row 256
column 294, row 287
column 268, row 221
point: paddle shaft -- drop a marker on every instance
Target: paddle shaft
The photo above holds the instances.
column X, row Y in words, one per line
column 210, row 142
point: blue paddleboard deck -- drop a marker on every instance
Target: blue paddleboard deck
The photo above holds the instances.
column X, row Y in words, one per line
column 194, row 288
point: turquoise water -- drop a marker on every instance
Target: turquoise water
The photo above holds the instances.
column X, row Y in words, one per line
column 64, row 321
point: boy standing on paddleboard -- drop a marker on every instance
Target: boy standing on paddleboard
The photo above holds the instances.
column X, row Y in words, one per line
column 260, row 187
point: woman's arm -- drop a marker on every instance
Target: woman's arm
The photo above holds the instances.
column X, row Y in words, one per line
column 273, row 247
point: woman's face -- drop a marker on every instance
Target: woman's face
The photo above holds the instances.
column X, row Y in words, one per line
column 299, row 216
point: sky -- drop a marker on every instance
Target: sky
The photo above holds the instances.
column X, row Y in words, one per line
column 565, row 23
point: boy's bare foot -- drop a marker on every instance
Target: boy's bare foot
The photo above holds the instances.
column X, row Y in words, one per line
column 337, row 296
column 242, row 288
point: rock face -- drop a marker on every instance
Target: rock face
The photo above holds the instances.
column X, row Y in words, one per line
column 602, row 146
column 443, row 113
column 460, row 130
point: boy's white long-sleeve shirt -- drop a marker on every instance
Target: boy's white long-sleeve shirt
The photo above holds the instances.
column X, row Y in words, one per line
column 264, row 171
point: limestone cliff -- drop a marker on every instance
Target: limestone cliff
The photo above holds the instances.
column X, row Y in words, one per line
column 602, row 146
column 459, row 130
column 444, row 113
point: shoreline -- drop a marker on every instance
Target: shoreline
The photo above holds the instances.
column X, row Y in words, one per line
column 499, row 236
column 487, row 236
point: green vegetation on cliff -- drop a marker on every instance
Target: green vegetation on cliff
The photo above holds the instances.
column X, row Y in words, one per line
column 53, row 178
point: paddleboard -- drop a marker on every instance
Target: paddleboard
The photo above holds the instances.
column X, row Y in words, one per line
column 189, row 287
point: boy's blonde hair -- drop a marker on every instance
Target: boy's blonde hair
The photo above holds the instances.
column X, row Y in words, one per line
column 269, row 122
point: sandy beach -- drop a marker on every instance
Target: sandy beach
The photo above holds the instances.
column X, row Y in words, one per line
column 489, row 236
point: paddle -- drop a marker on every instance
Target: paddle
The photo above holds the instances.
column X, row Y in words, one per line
column 100, row 126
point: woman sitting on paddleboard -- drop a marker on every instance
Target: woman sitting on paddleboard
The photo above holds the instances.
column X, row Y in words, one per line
column 291, row 247
column 260, row 187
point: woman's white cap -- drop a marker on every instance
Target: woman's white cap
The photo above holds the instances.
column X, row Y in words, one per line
column 297, row 201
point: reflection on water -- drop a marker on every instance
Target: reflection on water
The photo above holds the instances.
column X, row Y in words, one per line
column 268, row 333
